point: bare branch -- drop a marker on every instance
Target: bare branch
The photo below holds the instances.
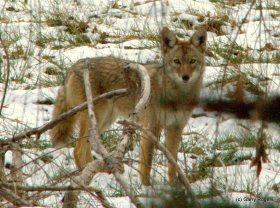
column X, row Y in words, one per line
column 13, row 198
column 145, row 86
column 52, row 123
column 93, row 129
column 144, row 98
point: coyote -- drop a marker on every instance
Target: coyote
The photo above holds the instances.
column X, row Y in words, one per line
column 174, row 85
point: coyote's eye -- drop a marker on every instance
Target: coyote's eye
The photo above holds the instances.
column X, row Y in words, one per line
column 192, row 61
column 177, row 61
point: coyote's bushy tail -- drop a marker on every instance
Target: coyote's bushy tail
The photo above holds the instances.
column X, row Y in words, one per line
column 60, row 134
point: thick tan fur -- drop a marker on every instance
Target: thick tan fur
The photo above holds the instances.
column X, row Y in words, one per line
column 175, row 85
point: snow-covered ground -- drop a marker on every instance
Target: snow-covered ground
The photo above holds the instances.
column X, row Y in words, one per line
column 42, row 44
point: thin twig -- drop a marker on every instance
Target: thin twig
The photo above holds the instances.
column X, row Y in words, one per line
column 2, row 158
column 7, row 74
column 17, row 174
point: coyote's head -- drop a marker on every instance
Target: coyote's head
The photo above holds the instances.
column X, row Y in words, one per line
column 184, row 60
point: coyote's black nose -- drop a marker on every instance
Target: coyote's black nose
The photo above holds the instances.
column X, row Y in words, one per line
column 185, row 77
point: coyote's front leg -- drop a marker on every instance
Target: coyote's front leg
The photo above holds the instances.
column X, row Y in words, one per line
column 146, row 155
column 173, row 139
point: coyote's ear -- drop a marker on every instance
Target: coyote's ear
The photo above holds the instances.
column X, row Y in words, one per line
column 168, row 39
column 199, row 39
